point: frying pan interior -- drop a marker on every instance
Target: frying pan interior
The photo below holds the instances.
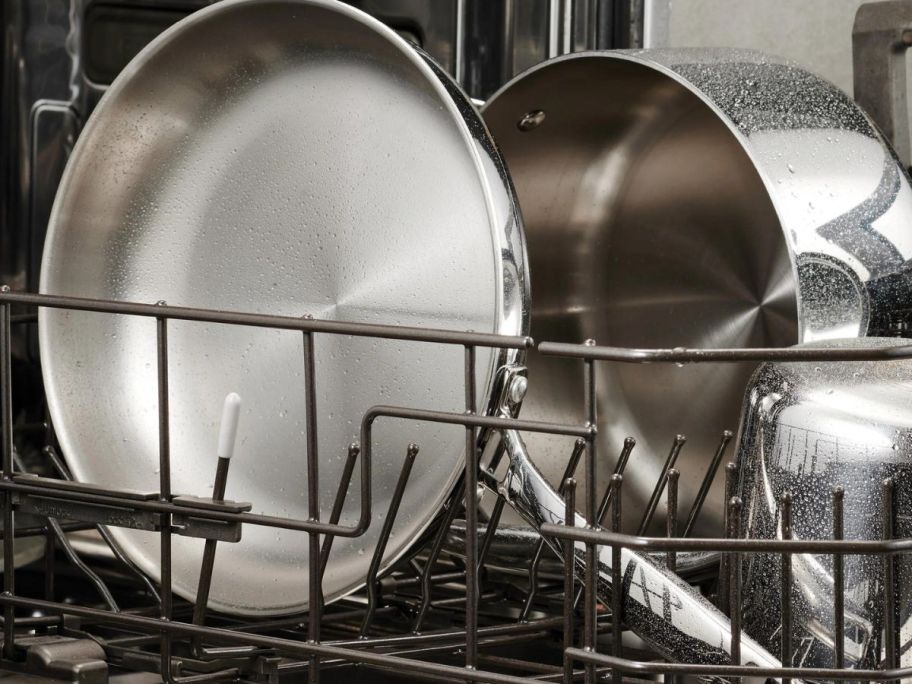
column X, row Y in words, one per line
column 288, row 157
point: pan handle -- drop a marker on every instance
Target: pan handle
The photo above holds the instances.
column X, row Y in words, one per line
column 659, row 607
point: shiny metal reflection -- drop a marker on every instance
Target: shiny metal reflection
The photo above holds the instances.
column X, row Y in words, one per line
column 513, row 549
column 700, row 198
column 808, row 428
column 657, row 605
column 283, row 157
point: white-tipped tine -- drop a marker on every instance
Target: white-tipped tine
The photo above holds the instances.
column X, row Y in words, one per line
column 231, row 412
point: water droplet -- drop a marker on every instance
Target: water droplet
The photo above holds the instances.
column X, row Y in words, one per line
column 679, row 364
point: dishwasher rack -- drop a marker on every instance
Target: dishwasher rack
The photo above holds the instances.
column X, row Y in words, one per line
column 421, row 619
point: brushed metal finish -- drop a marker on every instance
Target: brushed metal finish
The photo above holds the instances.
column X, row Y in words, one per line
column 808, row 428
column 701, row 198
column 279, row 156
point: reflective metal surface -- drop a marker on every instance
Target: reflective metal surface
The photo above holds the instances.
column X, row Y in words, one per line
column 702, row 198
column 809, row 428
column 436, row 26
column 879, row 79
column 658, row 606
column 506, row 37
column 280, row 156
column 57, row 58
column 513, row 549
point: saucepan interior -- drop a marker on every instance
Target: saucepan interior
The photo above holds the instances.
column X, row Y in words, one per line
column 648, row 225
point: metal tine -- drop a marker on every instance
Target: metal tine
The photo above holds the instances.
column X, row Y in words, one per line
column 731, row 473
column 493, row 522
column 734, row 599
column 891, row 633
column 227, row 435
column 57, row 462
column 61, row 537
column 372, row 584
column 569, row 471
column 569, row 491
column 50, row 553
column 470, row 475
column 164, row 494
column 786, row 586
column 671, row 531
column 619, row 469
column 676, row 446
column 671, row 521
column 590, row 611
column 354, row 450
column 314, row 577
column 64, row 473
column 839, row 577
column 434, row 554
column 80, row 565
column 490, row 469
column 6, row 434
column 617, row 607
column 707, row 483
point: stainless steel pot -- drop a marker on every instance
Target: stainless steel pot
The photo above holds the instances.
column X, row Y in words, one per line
column 701, row 198
column 809, row 428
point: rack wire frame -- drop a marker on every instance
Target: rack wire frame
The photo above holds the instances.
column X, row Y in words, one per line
column 314, row 654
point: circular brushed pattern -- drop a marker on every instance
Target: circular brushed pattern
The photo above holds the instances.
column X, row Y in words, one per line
column 284, row 157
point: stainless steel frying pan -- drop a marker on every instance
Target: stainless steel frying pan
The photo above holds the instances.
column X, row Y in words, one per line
column 291, row 157
column 702, row 198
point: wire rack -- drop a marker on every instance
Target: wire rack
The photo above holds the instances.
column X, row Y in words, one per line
column 447, row 611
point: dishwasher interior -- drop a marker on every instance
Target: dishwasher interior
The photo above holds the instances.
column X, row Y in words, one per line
column 481, row 596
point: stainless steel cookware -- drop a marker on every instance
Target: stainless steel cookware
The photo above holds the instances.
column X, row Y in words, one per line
column 295, row 157
column 657, row 605
column 808, row 429
column 281, row 156
column 702, row 198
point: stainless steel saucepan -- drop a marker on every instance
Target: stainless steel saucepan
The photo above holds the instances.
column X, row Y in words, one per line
column 701, row 198
column 808, row 429
column 295, row 157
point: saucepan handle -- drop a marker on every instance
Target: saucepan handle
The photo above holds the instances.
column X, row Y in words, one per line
column 658, row 606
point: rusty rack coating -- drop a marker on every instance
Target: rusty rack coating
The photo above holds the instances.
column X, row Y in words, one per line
column 214, row 520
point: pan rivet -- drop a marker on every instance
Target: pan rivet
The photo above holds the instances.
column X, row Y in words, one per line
column 518, row 388
column 531, row 120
